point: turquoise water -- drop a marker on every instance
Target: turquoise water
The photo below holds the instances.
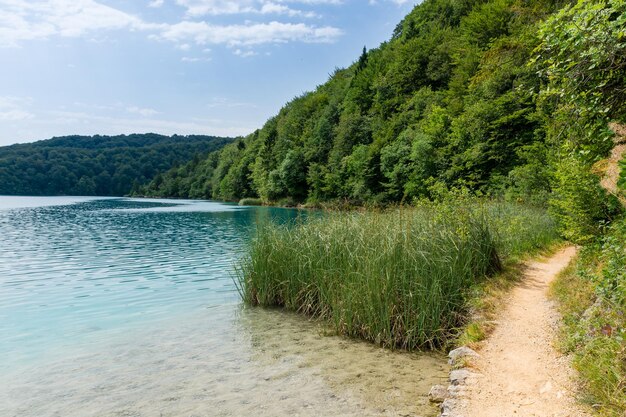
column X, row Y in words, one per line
column 71, row 271
column 128, row 307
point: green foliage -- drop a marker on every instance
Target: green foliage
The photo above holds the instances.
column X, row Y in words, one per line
column 578, row 202
column 399, row 278
column 582, row 64
column 440, row 102
column 99, row 165
column 250, row 202
column 520, row 229
column 487, row 22
column 395, row 164
column 506, row 98
column 530, row 181
column 612, row 285
column 593, row 300
column 582, row 56
column 622, row 178
column 292, row 173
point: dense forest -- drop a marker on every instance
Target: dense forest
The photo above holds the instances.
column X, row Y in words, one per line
column 506, row 98
column 96, row 165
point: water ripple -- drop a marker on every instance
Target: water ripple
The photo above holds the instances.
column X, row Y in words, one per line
column 83, row 267
column 124, row 307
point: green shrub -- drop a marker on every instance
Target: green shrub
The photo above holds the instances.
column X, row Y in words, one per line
column 251, row 202
column 578, row 202
column 287, row 202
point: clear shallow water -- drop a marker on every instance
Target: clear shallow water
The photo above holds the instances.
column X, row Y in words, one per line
column 72, row 271
column 125, row 307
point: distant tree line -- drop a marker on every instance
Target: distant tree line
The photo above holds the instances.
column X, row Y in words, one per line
column 96, row 165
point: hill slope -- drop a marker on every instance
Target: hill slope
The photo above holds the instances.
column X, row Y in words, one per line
column 508, row 98
column 95, row 165
column 447, row 102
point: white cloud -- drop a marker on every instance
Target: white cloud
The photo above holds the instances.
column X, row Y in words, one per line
column 14, row 115
column 141, row 111
column 196, row 8
column 397, row 2
column 312, row 2
column 203, row 33
column 119, row 108
column 22, row 20
column 191, row 59
column 275, row 8
column 223, row 102
column 26, row 20
column 244, row 54
column 88, row 124
column 13, row 109
column 216, row 7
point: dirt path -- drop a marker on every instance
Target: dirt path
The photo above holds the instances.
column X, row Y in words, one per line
column 609, row 168
column 522, row 373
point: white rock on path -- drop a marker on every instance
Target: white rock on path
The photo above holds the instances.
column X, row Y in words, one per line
column 460, row 376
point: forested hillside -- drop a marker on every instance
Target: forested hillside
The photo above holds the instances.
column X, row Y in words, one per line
column 501, row 97
column 96, row 165
column 448, row 101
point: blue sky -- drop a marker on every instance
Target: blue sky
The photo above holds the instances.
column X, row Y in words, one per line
column 219, row 67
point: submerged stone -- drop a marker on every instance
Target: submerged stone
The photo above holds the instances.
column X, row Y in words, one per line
column 461, row 353
column 437, row 394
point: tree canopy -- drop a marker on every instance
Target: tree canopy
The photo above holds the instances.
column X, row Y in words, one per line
column 96, row 165
column 447, row 102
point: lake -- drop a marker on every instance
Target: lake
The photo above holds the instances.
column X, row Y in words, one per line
column 128, row 307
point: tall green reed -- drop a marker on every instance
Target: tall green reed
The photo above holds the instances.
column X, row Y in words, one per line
column 397, row 278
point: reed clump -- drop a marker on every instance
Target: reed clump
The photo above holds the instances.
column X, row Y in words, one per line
column 398, row 277
column 251, row 202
